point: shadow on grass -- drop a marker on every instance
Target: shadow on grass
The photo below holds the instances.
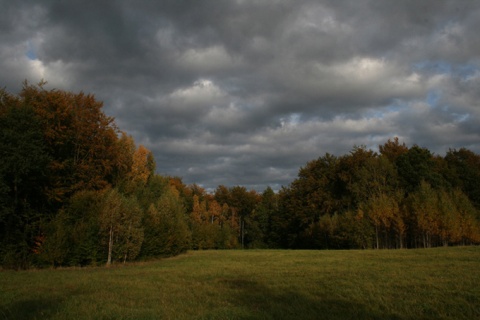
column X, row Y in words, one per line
column 260, row 302
column 41, row 308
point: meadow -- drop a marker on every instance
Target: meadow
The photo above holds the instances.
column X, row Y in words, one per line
column 439, row 283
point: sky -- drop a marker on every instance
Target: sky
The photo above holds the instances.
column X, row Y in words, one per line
column 246, row 92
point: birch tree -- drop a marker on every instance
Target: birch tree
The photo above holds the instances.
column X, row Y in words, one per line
column 110, row 219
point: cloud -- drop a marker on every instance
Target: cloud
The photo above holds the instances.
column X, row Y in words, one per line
column 246, row 92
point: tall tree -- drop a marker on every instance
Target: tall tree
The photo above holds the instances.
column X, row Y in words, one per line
column 23, row 173
column 125, row 151
column 72, row 237
column 382, row 210
column 143, row 165
column 393, row 149
column 469, row 217
column 415, row 166
column 81, row 140
column 465, row 172
column 243, row 203
column 265, row 213
column 316, row 192
column 110, row 220
column 199, row 225
column 365, row 175
column 166, row 229
column 424, row 207
column 133, row 231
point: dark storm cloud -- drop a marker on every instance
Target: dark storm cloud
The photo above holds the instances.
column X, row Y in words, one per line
column 246, row 92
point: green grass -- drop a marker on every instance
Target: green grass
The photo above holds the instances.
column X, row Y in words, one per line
column 441, row 283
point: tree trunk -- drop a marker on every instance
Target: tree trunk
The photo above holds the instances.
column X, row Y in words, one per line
column 110, row 246
column 243, row 232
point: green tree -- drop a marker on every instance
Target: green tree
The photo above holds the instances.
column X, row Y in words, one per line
column 110, row 220
column 316, row 192
column 415, row 166
column 152, row 191
column 242, row 204
column 54, row 248
column 131, row 235
column 424, row 207
column 469, row 218
column 121, row 223
column 72, row 237
column 263, row 218
column 23, row 173
column 464, row 166
column 166, row 229
column 353, row 231
column 357, row 172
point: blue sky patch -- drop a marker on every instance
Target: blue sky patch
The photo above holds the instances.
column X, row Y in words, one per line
column 461, row 70
column 31, row 52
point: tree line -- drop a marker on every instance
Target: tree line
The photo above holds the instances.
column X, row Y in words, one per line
column 75, row 190
column 398, row 198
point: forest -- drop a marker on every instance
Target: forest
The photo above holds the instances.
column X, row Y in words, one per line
column 75, row 190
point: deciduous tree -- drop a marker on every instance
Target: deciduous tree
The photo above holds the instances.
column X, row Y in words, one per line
column 23, row 179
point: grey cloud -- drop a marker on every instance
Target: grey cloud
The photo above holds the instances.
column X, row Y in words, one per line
column 243, row 92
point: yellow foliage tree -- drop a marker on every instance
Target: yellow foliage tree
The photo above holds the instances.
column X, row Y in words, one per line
column 142, row 166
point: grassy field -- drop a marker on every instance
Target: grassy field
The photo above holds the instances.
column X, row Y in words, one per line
column 441, row 283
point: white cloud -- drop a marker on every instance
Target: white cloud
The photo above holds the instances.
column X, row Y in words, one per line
column 202, row 92
column 208, row 59
column 194, row 101
column 227, row 116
